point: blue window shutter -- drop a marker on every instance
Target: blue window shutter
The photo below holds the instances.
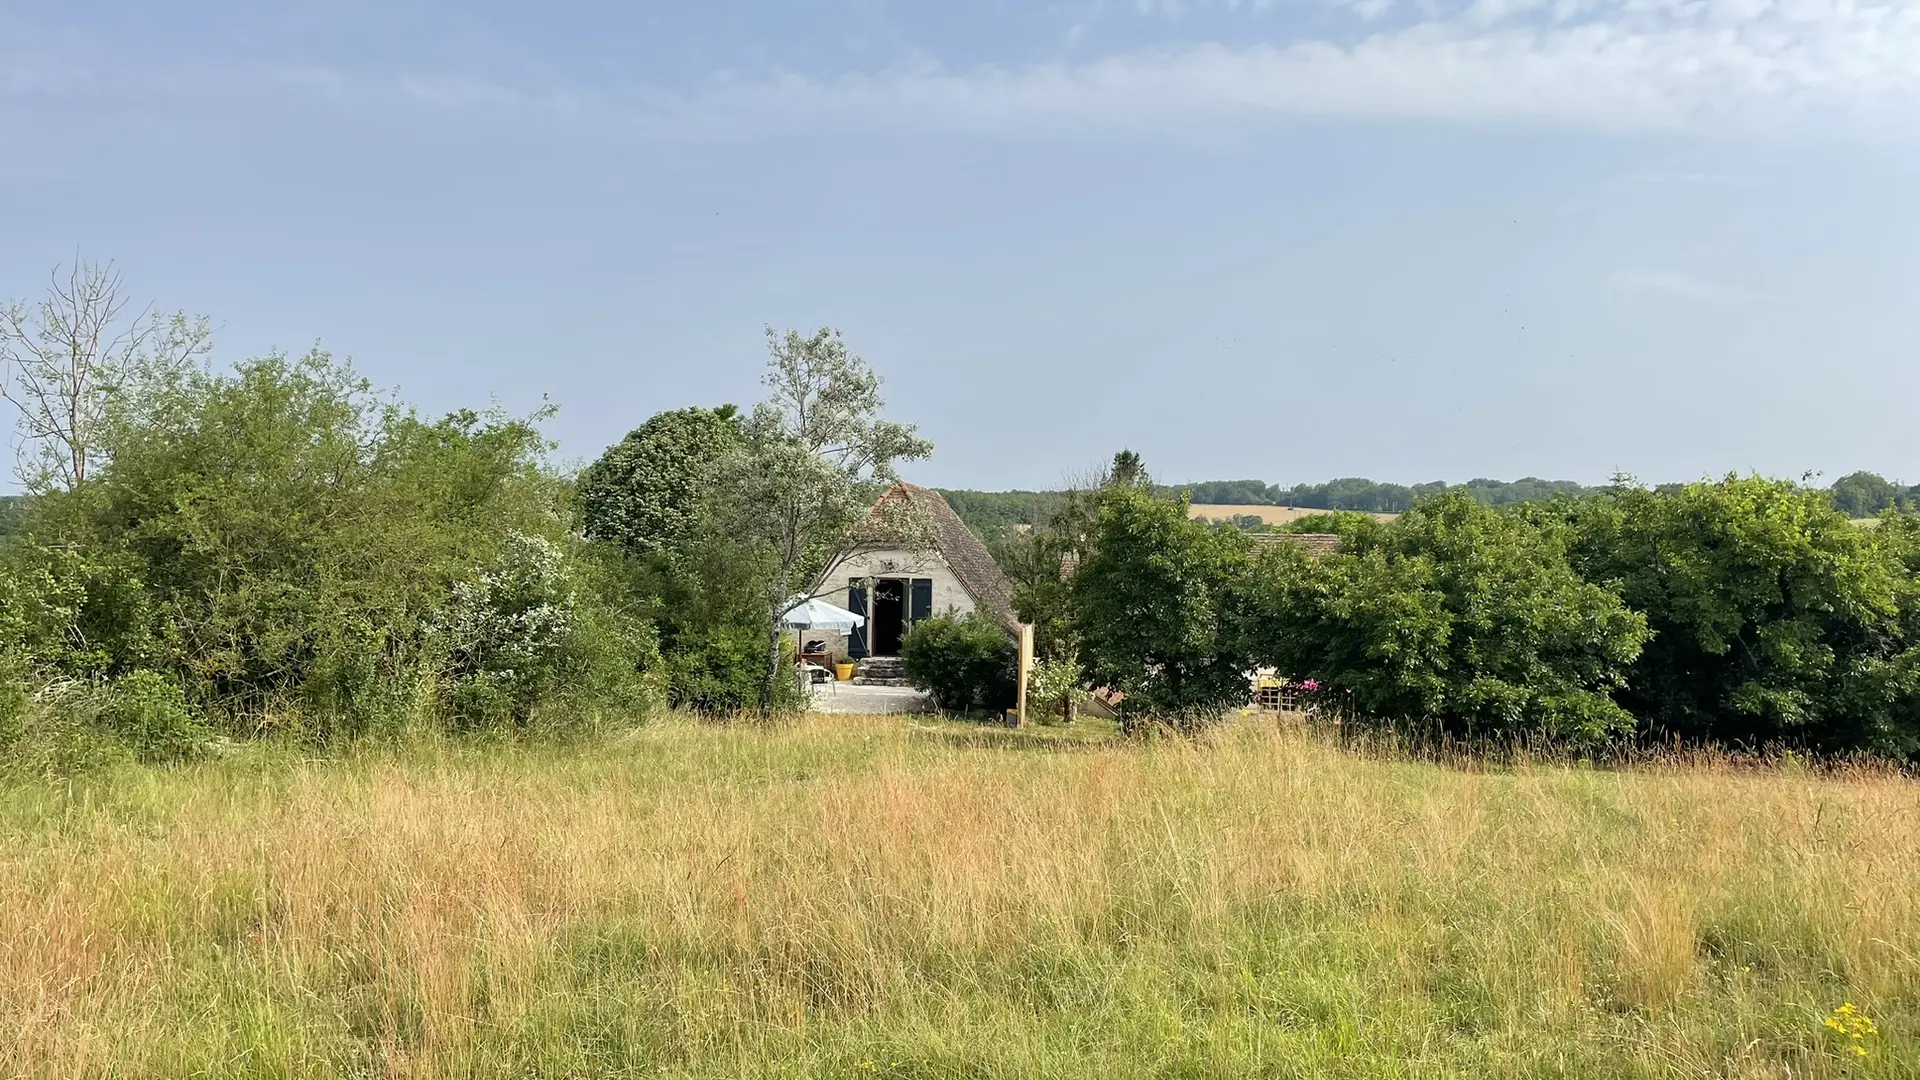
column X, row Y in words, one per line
column 922, row 606
column 857, row 641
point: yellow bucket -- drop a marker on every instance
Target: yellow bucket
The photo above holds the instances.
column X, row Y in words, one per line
column 843, row 672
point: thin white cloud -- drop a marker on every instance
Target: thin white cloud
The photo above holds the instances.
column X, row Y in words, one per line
column 1716, row 65
column 1178, row 9
column 1675, row 284
column 1631, row 64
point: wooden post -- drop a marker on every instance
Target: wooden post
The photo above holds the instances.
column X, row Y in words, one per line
column 1026, row 669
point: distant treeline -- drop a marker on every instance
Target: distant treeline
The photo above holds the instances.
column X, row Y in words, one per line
column 1374, row 497
column 1860, row 494
column 991, row 513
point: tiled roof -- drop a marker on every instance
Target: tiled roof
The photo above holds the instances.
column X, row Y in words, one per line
column 970, row 560
column 1315, row 543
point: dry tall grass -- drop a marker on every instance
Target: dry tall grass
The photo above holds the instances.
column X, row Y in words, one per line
column 861, row 896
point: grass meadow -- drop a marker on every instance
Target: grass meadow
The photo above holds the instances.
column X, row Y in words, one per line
column 861, row 896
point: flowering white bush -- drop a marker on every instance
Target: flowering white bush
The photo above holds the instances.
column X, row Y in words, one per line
column 1052, row 683
column 506, row 629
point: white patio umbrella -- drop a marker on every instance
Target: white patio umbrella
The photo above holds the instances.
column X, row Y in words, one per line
column 820, row 615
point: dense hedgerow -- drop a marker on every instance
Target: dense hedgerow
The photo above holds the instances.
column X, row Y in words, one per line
column 1740, row 612
column 278, row 547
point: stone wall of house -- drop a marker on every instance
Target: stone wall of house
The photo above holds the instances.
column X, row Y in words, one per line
column 948, row 593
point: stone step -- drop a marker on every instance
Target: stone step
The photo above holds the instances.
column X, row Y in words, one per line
column 862, row 680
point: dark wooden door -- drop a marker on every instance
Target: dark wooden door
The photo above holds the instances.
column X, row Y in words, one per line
column 857, row 641
column 919, row 602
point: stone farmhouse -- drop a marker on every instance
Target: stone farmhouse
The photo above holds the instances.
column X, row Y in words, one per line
column 895, row 587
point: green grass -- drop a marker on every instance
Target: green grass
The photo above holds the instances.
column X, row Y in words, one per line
column 882, row 897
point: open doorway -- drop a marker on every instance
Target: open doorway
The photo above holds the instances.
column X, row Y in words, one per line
column 889, row 618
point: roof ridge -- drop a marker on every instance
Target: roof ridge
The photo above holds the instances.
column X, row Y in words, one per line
column 972, row 564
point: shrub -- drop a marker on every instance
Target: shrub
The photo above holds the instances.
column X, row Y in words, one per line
column 721, row 673
column 504, row 631
column 361, row 683
column 1455, row 615
column 74, row 610
column 13, row 700
column 282, row 542
column 147, row 712
column 965, row 661
column 271, row 535
column 608, row 666
column 1053, row 686
column 52, row 728
column 13, row 661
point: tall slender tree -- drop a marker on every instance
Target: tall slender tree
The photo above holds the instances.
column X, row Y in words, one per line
column 817, row 457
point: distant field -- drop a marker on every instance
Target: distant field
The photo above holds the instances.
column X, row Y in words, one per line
column 1272, row 515
column 1283, row 515
column 880, row 897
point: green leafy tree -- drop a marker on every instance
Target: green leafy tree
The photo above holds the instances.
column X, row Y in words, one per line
column 649, row 492
column 1371, row 496
column 817, row 456
column 1036, row 565
column 1041, row 563
column 1865, row 494
column 1153, row 604
column 1128, row 470
column 1350, row 493
column 1527, row 489
column 1234, row 493
column 1454, row 616
column 652, row 499
column 1338, row 522
column 991, row 513
column 1775, row 618
column 1246, row 523
column 1892, row 700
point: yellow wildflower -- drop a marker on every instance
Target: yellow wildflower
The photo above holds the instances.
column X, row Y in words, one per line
column 1852, row 1025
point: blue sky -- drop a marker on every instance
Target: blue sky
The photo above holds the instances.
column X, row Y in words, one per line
column 1410, row 239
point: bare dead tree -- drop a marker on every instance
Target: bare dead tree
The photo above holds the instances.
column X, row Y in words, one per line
column 67, row 360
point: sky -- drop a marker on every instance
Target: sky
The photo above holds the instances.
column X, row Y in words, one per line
column 1280, row 239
